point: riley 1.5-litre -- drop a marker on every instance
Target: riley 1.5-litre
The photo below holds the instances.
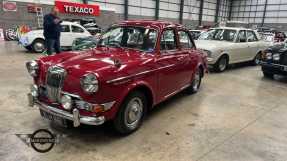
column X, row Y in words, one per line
column 135, row 66
column 274, row 60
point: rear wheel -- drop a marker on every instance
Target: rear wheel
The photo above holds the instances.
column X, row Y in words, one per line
column 130, row 115
column 196, row 82
column 38, row 46
column 257, row 59
column 221, row 64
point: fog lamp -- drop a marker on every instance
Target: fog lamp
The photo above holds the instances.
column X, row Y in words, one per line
column 276, row 57
column 66, row 102
column 268, row 56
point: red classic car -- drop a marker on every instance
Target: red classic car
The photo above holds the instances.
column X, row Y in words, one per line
column 135, row 66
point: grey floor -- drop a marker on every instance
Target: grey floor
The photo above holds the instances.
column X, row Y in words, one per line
column 237, row 115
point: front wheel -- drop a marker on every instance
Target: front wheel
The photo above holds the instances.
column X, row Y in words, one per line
column 38, row 46
column 130, row 115
column 221, row 64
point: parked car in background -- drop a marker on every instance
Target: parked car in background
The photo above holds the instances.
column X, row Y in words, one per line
column 35, row 41
column 274, row 60
column 275, row 37
column 228, row 45
column 85, row 43
column 136, row 65
column 89, row 24
column 195, row 33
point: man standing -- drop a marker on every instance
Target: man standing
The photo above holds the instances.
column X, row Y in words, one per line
column 52, row 31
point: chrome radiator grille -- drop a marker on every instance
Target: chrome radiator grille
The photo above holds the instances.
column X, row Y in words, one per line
column 54, row 81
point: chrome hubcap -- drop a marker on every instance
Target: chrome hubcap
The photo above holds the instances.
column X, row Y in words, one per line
column 39, row 47
column 222, row 64
column 133, row 112
column 196, row 81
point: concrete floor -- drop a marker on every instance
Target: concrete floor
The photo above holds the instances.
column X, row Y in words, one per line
column 237, row 115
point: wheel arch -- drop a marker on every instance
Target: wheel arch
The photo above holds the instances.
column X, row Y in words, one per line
column 139, row 86
column 225, row 54
column 36, row 39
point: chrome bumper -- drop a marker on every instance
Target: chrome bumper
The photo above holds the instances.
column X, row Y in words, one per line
column 75, row 117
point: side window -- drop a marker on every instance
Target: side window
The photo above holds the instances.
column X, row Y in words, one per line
column 168, row 40
column 184, row 40
column 241, row 36
column 251, row 37
column 65, row 28
column 150, row 40
column 77, row 29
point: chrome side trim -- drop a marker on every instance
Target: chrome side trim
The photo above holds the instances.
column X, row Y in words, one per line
column 72, row 95
column 138, row 74
column 177, row 91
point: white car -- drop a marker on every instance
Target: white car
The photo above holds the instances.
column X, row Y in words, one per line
column 226, row 45
column 35, row 41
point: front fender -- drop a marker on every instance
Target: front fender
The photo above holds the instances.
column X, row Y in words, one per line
column 127, row 90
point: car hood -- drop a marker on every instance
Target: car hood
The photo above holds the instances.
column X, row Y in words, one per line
column 277, row 48
column 98, row 60
column 212, row 45
column 33, row 33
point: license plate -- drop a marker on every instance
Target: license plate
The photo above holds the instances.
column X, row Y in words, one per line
column 55, row 119
column 285, row 69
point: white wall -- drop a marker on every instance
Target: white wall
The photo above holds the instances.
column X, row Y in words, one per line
column 167, row 9
column 252, row 11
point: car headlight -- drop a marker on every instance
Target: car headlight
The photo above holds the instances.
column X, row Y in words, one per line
column 32, row 67
column 276, row 57
column 209, row 53
column 66, row 102
column 268, row 56
column 90, row 83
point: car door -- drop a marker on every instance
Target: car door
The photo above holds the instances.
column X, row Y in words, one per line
column 65, row 38
column 187, row 58
column 253, row 43
column 168, row 63
column 241, row 50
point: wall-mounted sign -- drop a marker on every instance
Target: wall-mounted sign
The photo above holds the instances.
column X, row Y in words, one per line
column 9, row 6
column 32, row 8
column 1, row 34
column 77, row 8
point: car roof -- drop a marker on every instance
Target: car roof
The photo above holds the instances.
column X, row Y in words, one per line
column 148, row 23
column 69, row 23
column 233, row 28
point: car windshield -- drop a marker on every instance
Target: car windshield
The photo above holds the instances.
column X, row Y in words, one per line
column 130, row 37
column 219, row 34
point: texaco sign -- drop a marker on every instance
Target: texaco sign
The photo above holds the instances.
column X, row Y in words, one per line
column 77, row 8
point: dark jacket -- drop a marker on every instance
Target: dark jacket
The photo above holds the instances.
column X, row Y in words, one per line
column 51, row 30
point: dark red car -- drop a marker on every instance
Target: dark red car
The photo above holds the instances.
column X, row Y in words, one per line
column 136, row 65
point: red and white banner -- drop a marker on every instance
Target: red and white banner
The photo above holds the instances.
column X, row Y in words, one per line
column 9, row 6
column 78, row 8
column 1, row 34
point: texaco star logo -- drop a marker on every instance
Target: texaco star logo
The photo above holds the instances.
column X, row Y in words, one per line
column 41, row 140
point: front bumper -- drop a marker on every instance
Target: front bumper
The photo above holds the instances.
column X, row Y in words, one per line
column 274, row 68
column 75, row 117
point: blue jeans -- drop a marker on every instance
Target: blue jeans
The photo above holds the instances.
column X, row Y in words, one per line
column 53, row 44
